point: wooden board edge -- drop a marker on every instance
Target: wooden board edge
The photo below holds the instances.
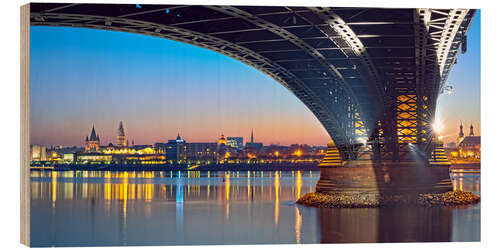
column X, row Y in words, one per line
column 25, row 119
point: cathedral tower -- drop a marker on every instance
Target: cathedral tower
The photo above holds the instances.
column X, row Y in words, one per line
column 92, row 143
column 120, row 138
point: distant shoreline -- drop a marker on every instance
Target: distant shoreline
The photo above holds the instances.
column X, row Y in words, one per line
column 211, row 167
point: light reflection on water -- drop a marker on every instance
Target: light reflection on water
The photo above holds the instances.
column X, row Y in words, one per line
column 81, row 208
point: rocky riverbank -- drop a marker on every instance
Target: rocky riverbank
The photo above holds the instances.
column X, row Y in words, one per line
column 452, row 198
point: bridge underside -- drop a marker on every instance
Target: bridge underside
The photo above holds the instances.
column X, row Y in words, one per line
column 371, row 76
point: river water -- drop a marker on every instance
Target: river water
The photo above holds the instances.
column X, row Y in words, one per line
column 86, row 208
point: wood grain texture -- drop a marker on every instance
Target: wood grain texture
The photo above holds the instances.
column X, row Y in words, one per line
column 25, row 127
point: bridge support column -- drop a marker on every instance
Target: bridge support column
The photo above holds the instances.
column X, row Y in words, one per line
column 374, row 181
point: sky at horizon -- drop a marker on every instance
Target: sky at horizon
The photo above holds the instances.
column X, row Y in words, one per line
column 84, row 77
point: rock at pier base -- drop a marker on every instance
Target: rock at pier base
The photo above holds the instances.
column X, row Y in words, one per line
column 355, row 200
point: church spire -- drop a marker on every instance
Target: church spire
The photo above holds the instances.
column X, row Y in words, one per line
column 121, row 139
column 471, row 133
column 461, row 133
column 121, row 131
column 93, row 135
column 251, row 137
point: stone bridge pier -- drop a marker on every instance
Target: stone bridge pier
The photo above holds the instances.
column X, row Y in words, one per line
column 369, row 177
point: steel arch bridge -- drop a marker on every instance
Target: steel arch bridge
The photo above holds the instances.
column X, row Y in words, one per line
column 371, row 76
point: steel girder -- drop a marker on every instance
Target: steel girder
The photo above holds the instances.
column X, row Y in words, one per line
column 349, row 66
column 436, row 48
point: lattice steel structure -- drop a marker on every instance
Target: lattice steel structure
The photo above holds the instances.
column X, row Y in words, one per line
column 371, row 76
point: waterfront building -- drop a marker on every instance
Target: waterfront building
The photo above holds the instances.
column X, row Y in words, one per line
column 68, row 157
column 121, row 140
column 470, row 147
column 179, row 151
column 137, row 149
column 92, row 143
column 172, row 151
column 93, row 158
column 139, row 154
column 235, row 142
column 53, row 155
column 38, row 153
column 198, row 152
column 221, row 148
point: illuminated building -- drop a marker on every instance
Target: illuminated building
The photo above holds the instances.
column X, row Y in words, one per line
column 121, row 140
column 93, row 157
column 198, row 152
column 38, row 153
column 468, row 147
column 92, row 143
column 139, row 154
column 53, row 155
column 221, row 148
column 178, row 151
column 68, row 157
column 172, row 149
column 222, row 140
column 172, row 153
column 235, row 142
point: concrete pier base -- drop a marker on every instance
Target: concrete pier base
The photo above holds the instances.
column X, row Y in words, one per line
column 370, row 179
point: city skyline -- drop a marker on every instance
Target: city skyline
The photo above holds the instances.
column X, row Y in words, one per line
column 81, row 77
column 129, row 140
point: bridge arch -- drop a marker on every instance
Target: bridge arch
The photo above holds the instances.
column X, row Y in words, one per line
column 351, row 80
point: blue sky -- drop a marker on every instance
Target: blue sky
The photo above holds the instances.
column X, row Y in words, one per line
column 158, row 87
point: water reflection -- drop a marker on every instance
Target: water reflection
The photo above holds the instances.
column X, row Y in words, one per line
column 89, row 208
column 405, row 224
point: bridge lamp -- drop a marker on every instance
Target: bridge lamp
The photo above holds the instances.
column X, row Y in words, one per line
column 446, row 89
